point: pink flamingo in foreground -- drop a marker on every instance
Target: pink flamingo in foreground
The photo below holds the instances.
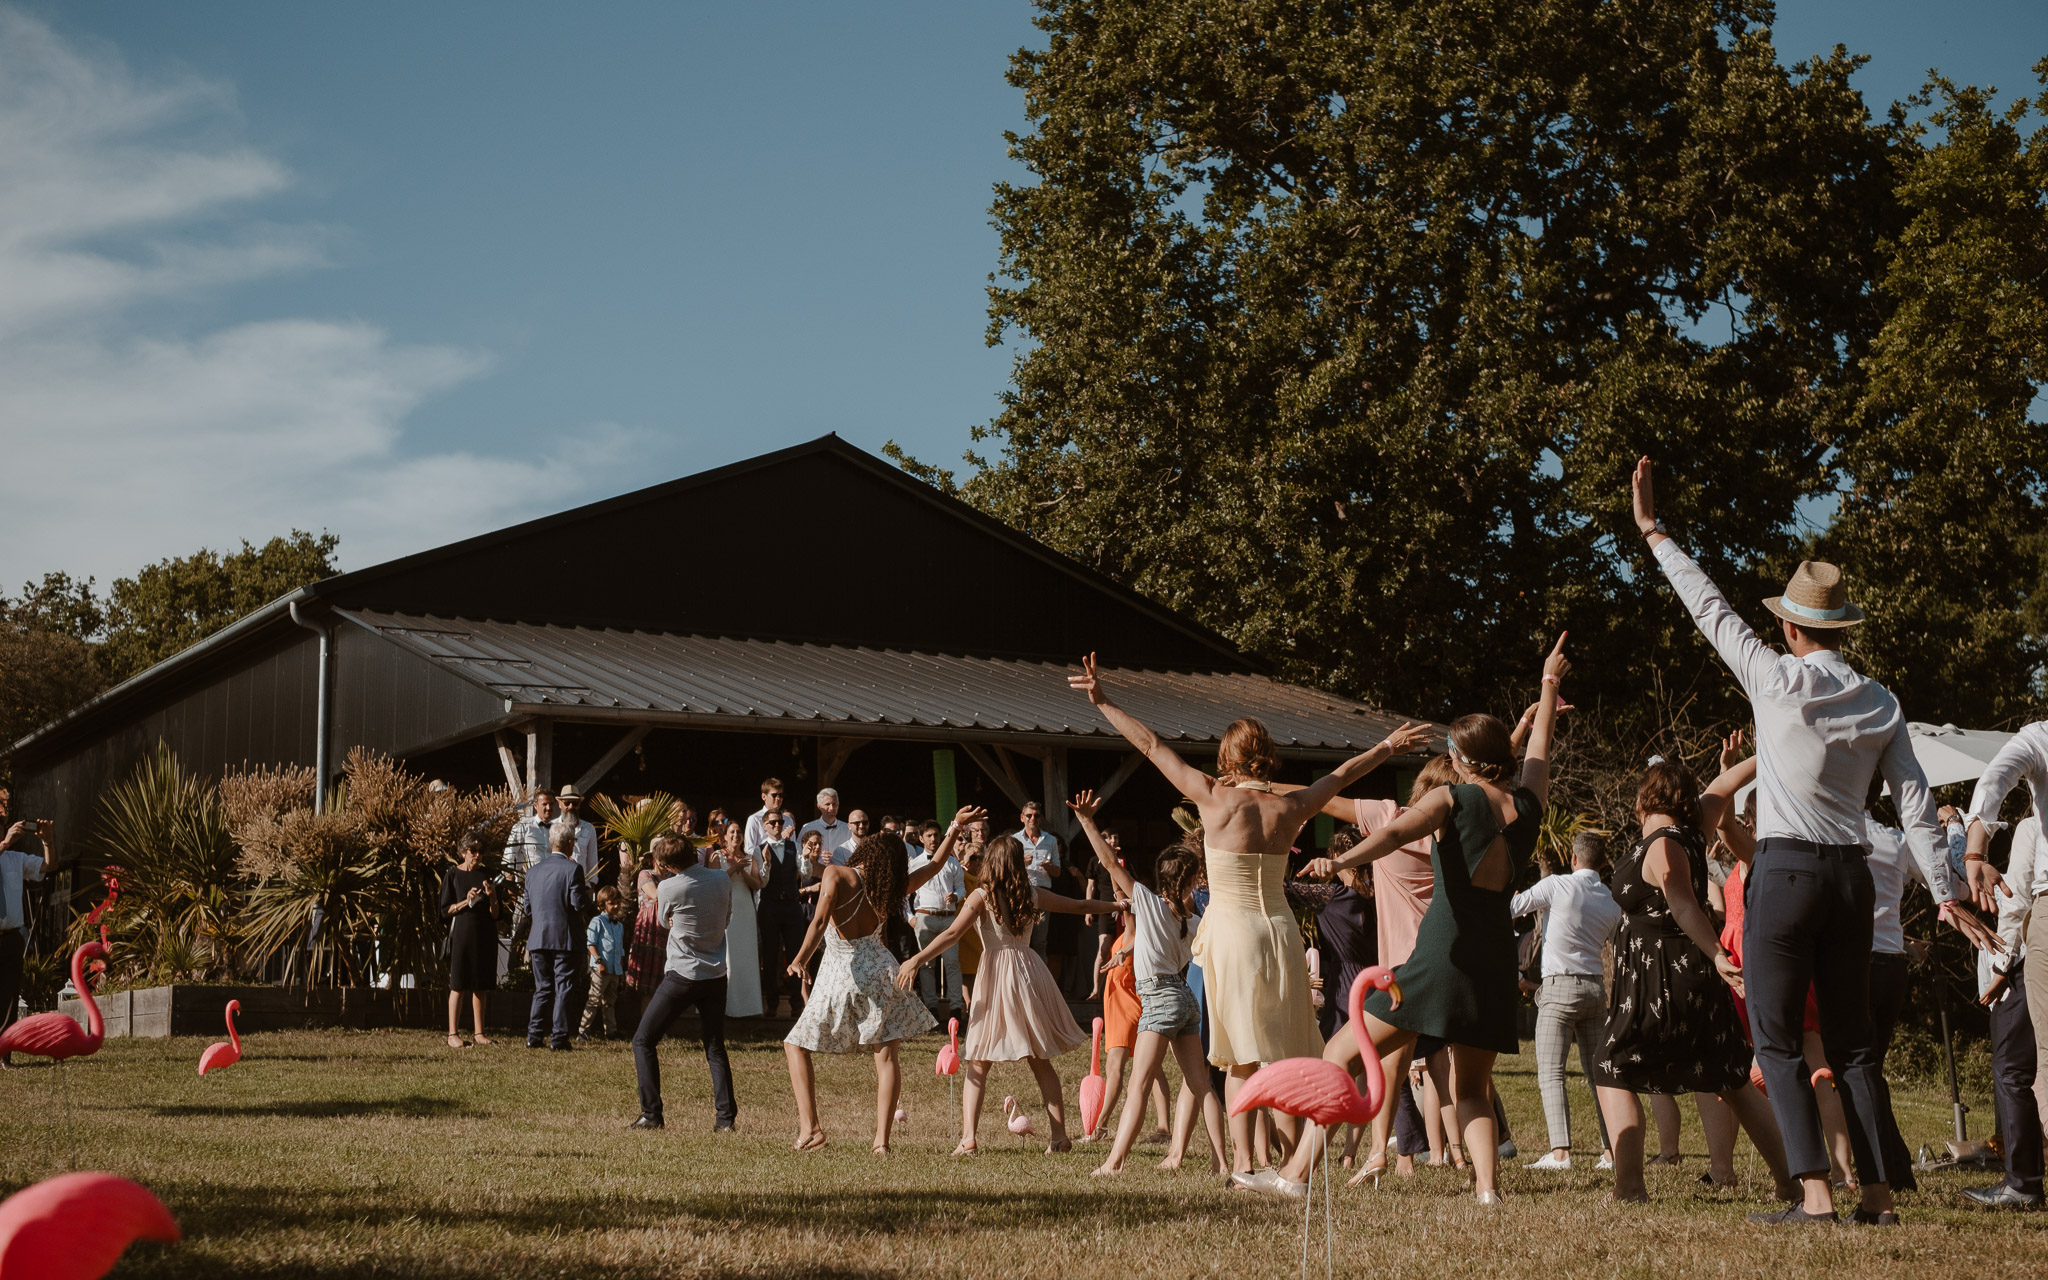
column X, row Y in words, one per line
column 1092, row 1086
column 225, row 1054
column 76, row 1226
column 1324, row 1093
column 56, row 1035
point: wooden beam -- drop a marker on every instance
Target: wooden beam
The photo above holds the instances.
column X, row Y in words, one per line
column 1120, row 777
column 1010, row 771
column 1005, row 782
column 833, row 754
column 610, row 759
column 1053, row 772
column 509, row 759
column 540, row 755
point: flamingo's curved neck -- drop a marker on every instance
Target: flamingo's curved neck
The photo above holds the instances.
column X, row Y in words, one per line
column 233, row 1037
column 1375, row 1077
column 95, row 1025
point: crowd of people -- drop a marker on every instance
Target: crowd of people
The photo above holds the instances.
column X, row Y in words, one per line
column 1750, row 958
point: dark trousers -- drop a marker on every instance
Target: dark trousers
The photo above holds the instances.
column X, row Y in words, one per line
column 782, row 928
column 675, row 994
column 1410, row 1138
column 554, row 978
column 2012, row 1084
column 1808, row 923
column 13, row 945
column 1887, row 994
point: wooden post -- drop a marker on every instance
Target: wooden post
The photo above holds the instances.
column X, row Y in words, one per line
column 508, row 759
column 1053, row 772
column 1005, row 781
column 540, row 755
column 610, row 759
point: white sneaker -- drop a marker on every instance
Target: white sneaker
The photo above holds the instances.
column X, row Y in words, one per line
column 1606, row 1164
column 1550, row 1161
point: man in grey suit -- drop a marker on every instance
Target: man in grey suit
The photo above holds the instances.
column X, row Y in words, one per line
column 694, row 905
column 557, row 898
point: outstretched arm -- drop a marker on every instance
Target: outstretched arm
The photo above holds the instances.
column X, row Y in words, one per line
column 1188, row 780
column 906, row 973
column 1050, row 901
column 1422, row 819
column 1084, row 807
column 1318, row 796
column 934, row 862
column 1536, row 767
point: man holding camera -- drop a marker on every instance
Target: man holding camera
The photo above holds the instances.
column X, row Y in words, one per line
column 16, row 868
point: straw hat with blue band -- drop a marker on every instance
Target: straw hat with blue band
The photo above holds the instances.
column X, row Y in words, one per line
column 1815, row 599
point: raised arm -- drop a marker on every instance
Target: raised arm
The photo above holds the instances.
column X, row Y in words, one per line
column 1318, row 796
column 1188, row 780
column 1736, row 773
column 1084, row 807
column 936, row 861
column 1536, row 765
column 1424, row 818
column 1520, row 733
column 1050, row 901
column 1749, row 658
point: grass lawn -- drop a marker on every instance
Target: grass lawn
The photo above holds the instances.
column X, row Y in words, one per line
column 328, row 1154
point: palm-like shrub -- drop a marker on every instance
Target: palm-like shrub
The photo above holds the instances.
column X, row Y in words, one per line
column 177, row 913
column 635, row 826
column 359, row 884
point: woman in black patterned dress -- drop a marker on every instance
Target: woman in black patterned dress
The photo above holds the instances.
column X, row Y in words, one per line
column 1671, row 1025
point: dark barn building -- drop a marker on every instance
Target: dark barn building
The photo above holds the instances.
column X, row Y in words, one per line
column 813, row 614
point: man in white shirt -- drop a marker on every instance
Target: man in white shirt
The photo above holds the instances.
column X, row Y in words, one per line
column 528, row 843
column 1823, row 731
column 771, row 803
column 835, row 835
column 858, row 828
column 16, row 868
column 1041, row 856
column 936, row 903
column 2015, row 1049
column 1579, row 916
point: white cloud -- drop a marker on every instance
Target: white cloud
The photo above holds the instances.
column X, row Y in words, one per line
column 120, row 445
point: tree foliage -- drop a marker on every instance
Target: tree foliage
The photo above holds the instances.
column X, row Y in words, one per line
column 1343, row 322
column 176, row 603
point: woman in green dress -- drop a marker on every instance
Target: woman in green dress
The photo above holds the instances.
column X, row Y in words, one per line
column 1459, row 984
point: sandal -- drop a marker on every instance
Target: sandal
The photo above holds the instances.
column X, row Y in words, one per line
column 480, row 1038
column 811, row 1143
column 1371, row 1169
column 967, row 1149
column 455, row 1042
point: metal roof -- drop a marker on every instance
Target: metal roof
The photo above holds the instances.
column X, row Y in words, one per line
column 783, row 686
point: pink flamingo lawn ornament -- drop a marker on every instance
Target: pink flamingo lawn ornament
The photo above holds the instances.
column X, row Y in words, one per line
column 949, row 1056
column 1020, row 1121
column 76, row 1226
column 1091, row 1085
column 1323, row 1093
column 225, row 1054
column 56, row 1035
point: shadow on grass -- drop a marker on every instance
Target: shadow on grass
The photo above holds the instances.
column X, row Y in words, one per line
column 209, row 1210
column 413, row 1106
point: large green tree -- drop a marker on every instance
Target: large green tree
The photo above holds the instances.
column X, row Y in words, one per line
column 1342, row 322
column 176, row 603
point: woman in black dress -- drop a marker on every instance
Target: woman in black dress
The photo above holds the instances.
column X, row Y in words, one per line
column 1671, row 1024
column 467, row 901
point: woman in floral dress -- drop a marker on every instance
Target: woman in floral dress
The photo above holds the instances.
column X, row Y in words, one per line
column 1671, row 1024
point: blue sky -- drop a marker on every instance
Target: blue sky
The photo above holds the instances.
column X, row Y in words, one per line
column 409, row 272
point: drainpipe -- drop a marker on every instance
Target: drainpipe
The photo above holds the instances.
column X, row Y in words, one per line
column 321, row 727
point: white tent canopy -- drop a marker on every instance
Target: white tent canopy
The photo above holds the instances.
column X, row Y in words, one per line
column 1947, row 754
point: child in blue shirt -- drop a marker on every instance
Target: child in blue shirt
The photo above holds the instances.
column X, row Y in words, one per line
column 607, row 939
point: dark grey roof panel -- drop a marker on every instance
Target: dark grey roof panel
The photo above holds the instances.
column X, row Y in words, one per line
column 806, row 687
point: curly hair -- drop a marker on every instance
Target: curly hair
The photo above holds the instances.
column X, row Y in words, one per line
column 1671, row 789
column 1247, row 751
column 672, row 851
column 1006, row 877
column 1482, row 742
column 884, row 866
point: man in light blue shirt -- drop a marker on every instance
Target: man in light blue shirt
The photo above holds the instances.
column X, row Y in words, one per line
column 1579, row 916
column 1041, row 856
column 695, row 905
column 17, row 867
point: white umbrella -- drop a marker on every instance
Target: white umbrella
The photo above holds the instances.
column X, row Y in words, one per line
column 1946, row 754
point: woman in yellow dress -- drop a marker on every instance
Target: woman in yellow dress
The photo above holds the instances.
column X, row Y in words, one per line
column 1253, row 968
